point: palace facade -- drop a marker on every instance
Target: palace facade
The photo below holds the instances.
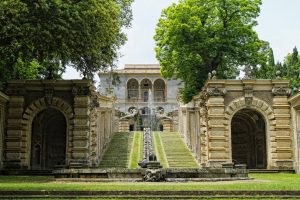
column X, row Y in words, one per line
column 142, row 88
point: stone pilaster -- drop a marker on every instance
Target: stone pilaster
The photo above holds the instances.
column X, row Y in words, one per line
column 3, row 101
column 281, row 138
column 13, row 139
column 218, row 138
column 203, row 136
column 81, row 133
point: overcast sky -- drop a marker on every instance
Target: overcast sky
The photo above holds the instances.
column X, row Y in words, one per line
column 279, row 24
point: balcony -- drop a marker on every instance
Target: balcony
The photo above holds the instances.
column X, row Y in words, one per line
column 145, row 100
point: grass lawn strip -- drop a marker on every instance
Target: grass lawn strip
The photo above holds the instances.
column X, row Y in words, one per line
column 159, row 150
column 135, row 151
column 279, row 181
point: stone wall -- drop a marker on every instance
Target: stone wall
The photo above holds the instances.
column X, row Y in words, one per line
column 88, row 116
column 295, row 104
column 206, row 122
column 3, row 101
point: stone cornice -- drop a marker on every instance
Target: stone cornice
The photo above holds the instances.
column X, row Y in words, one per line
column 293, row 99
column 3, row 98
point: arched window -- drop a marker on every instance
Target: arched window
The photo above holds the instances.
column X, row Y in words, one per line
column 159, row 90
column 132, row 90
column 146, row 85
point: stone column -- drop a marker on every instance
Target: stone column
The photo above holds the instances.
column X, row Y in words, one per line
column 81, row 132
column 197, row 134
column 13, row 140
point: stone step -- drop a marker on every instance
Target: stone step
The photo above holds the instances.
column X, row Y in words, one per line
column 118, row 152
column 176, row 151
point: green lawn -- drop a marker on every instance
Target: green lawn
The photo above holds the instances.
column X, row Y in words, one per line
column 279, row 181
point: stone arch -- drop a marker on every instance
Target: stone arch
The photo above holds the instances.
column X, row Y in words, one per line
column 36, row 107
column 159, row 87
column 259, row 106
column 146, row 85
column 132, row 89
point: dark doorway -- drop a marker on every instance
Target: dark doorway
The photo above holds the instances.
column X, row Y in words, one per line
column 161, row 127
column 248, row 139
column 131, row 127
column 48, row 140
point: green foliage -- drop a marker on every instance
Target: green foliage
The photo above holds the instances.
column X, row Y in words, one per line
column 291, row 69
column 26, row 70
column 195, row 37
column 55, row 33
column 268, row 69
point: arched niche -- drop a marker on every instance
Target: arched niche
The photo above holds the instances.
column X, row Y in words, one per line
column 159, row 90
column 48, row 140
column 248, row 139
column 146, row 87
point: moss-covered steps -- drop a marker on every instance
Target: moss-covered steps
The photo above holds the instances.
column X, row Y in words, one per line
column 124, row 151
column 172, row 151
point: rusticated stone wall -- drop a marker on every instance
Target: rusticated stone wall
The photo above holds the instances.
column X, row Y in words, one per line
column 206, row 122
column 87, row 114
column 3, row 102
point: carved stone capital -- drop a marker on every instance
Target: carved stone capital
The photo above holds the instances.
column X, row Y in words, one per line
column 281, row 91
column 80, row 90
column 216, row 91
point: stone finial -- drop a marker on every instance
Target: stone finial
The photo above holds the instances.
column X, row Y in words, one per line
column 278, row 74
column 214, row 74
column 209, row 76
column 248, row 74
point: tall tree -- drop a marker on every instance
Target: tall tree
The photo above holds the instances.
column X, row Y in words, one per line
column 291, row 69
column 55, row 33
column 195, row 37
column 267, row 69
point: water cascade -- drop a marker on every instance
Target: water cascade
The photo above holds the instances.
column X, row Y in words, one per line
column 154, row 170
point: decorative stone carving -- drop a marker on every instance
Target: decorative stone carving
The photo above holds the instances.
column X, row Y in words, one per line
column 81, row 90
column 216, row 91
column 248, row 73
column 48, row 94
column 15, row 91
column 248, row 90
column 281, row 91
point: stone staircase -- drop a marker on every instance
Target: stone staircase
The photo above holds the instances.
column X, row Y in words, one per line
column 175, row 151
column 118, row 153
